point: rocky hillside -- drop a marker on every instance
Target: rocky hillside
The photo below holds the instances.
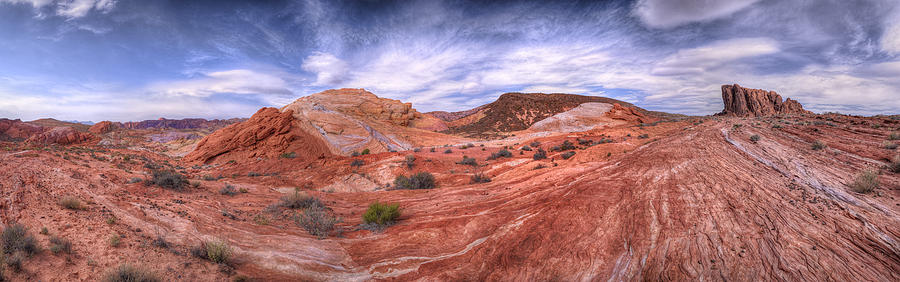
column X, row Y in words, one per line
column 514, row 112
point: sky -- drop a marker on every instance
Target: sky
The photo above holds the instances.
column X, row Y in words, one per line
column 119, row 60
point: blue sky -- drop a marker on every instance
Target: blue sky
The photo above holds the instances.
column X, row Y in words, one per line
column 133, row 60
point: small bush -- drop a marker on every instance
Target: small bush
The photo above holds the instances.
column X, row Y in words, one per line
column 290, row 155
column 585, row 142
column 111, row 220
column 45, row 231
column 228, row 190
column 468, row 161
column 526, row 148
column 253, row 174
column 134, row 180
column 15, row 238
column 776, row 126
column 382, row 214
column 115, row 240
column 365, row 152
column 565, row 146
column 503, row 153
column 480, row 178
column 299, row 201
column 217, row 251
column 71, row 203
column 448, row 151
column 357, row 163
column 421, row 180
column 355, row 154
column 889, row 145
column 128, row 273
column 318, row 221
column 15, row 261
column 417, row 149
column 865, row 182
column 168, row 179
column 535, row 144
column 410, row 161
column 568, row 155
column 209, row 178
column 539, row 166
column 644, row 136
column 894, row 136
column 60, row 245
column 818, row 145
column 894, row 165
column 754, row 138
column 431, row 150
column 540, row 154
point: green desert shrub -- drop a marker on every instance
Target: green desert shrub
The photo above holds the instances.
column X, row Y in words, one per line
column 318, row 221
column 865, row 182
column 290, row 155
column 818, row 145
column 218, row 251
column 568, row 155
column 894, row 136
column 540, row 154
column 565, row 146
column 754, row 138
column 15, row 238
column 409, row 161
column 889, row 145
column 894, row 165
column 357, row 163
column 71, row 203
column 115, row 240
column 382, row 214
column 60, row 245
column 299, row 200
column 365, row 152
column 468, row 161
column 421, row 180
column 228, row 190
column 526, row 148
column 503, row 153
column 129, row 273
column 480, row 177
column 448, row 151
column 168, row 179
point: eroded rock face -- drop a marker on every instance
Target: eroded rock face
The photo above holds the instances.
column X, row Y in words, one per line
column 188, row 123
column 16, row 130
column 102, row 127
column 60, row 135
column 268, row 133
column 746, row 102
column 355, row 119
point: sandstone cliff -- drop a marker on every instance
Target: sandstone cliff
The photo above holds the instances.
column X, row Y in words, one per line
column 60, row 135
column 102, row 127
column 744, row 102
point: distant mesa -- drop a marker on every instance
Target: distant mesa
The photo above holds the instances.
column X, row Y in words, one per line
column 746, row 102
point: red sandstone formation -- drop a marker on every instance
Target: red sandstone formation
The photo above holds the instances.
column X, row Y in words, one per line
column 268, row 133
column 16, row 130
column 743, row 102
column 631, row 114
column 102, row 127
column 514, row 112
column 60, row 135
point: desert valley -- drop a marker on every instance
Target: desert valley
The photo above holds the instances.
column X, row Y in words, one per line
column 528, row 187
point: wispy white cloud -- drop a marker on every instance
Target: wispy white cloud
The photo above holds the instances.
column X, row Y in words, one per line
column 329, row 69
column 239, row 81
column 70, row 8
column 708, row 57
column 673, row 13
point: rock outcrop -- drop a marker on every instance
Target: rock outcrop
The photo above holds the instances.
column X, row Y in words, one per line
column 351, row 120
column 16, row 130
column 102, row 127
column 269, row 133
column 60, row 135
column 746, row 102
column 514, row 112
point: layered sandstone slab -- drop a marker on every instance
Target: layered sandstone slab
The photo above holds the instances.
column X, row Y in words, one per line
column 102, row 127
column 60, row 135
column 746, row 102
column 267, row 134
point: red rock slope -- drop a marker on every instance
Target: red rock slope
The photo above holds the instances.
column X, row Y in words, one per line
column 267, row 134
